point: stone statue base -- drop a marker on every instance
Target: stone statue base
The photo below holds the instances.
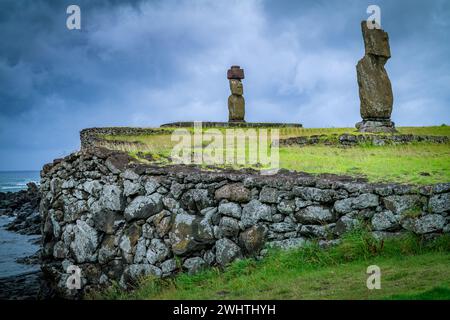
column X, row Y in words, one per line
column 232, row 124
column 376, row 125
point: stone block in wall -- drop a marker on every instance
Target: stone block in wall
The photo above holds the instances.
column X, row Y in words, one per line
column 227, row 251
column 235, row 192
column 404, row 203
column 314, row 215
column 254, row 212
column 439, row 203
column 143, row 207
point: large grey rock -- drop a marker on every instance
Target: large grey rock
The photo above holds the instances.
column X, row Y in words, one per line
column 287, row 244
column 229, row 227
column 362, row 201
column 105, row 220
column 190, row 233
column 143, row 207
column 195, row 200
column 316, row 231
column 151, row 185
column 168, row 266
column 157, row 251
column 131, row 188
column 227, row 251
column 255, row 211
column 93, row 187
column 439, row 203
column 85, row 242
column 230, row 209
column 112, row 198
column 314, row 194
column 107, row 250
column 400, row 204
column 194, row 265
column 345, row 224
column 286, row 206
column 252, row 240
column 429, row 223
column 283, row 226
column 141, row 251
column 74, row 210
column 135, row 272
column 269, row 195
column 235, row 192
column 384, row 221
column 314, row 215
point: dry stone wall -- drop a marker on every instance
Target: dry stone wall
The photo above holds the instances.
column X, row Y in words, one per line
column 118, row 220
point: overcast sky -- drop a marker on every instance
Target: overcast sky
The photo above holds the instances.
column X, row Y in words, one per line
column 143, row 63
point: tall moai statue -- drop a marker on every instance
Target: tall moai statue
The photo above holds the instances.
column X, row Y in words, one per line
column 375, row 91
column 236, row 102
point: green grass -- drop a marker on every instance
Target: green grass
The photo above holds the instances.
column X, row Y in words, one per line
column 412, row 163
column 410, row 269
column 417, row 163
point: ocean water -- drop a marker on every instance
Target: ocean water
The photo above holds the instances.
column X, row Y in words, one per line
column 14, row 246
column 17, row 180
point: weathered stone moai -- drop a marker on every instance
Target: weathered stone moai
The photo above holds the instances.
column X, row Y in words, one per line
column 375, row 91
column 236, row 102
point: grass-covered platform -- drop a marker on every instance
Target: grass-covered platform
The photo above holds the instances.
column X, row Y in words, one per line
column 417, row 162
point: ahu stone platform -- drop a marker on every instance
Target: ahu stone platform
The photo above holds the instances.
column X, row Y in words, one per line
column 237, row 124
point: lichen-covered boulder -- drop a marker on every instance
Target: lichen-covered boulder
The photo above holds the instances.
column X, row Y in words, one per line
column 229, row 227
column 157, row 251
column 135, row 272
column 194, row 265
column 400, row 204
column 384, row 221
column 439, row 203
column 190, row 233
column 85, row 242
column 195, row 200
column 227, row 251
column 345, row 224
column 429, row 223
column 112, row 198
column 255, row 211
column 314, row 215
column 235, row 192
column 363, row 201
column 230, row 209
column 287, row 244
column 269, row 195
column 143, row 207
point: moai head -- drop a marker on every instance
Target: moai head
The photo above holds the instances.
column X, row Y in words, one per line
column 236, row 87
column 376, row 41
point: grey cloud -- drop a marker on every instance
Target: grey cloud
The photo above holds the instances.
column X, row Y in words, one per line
column 147, row 62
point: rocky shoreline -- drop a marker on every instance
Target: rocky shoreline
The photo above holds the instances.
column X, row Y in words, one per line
column 23, row 206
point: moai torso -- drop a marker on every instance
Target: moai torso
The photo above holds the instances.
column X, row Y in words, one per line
column 236, row 102
column 375, row 91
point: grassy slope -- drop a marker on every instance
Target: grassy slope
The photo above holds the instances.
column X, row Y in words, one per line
column 410, row 269
column 418, row 163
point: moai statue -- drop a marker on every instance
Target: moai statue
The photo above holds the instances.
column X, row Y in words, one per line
column 375, row 91
column 236, row 102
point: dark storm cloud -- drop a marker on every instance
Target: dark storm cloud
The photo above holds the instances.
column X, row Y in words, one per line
column 148, row 62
